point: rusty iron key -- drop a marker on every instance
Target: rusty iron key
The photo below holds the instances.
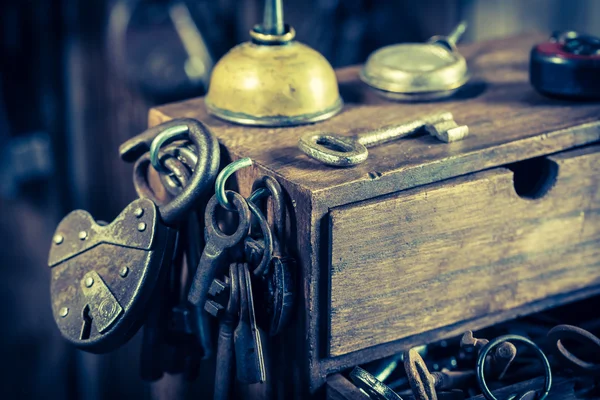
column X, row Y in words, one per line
column 214, row 255
column 250, row 363
column 501, row 358
column 343, row 151
column 425, row 383
column 225, row 347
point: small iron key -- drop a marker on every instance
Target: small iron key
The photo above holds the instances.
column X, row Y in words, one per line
column 249, row 355
column 212, row 260
column 353, row 151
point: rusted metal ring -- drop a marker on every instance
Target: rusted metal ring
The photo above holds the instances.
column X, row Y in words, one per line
column 376, row 389
column 483, row 353
column 204, row 174
column 562, row 332
column 269, row 187
column 265, row 262
column 222, row 178
column 178, row 178
column 179, row 175
column 322, row 147
column 168, row 135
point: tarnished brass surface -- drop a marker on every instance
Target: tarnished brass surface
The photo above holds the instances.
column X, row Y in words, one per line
column 418, row 71
column 273, row 80
column 279, row 85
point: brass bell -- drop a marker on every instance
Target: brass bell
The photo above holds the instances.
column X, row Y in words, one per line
column 273, row 80
column 418, row 71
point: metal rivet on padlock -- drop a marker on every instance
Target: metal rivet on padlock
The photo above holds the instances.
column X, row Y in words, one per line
column 104, row 309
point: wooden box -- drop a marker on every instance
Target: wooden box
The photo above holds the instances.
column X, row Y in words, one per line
column 426, row 239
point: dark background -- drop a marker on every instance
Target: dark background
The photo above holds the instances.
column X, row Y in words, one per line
column 72, row 90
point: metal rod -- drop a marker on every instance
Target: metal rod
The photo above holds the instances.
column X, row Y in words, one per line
column 273, row 18
column 456, row 34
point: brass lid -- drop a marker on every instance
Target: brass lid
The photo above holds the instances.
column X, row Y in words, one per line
column 417, row 70
column 273, row 80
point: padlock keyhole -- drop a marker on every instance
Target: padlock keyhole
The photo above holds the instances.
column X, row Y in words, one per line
column 86, row 328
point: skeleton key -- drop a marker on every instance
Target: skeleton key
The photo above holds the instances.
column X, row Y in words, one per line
column 225, row 347
column 343, row 151
column 278, row 286
column 103, row 276
column 213, row 256
column 249, row 355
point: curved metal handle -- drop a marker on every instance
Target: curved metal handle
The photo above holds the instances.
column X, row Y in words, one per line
column 206, row 169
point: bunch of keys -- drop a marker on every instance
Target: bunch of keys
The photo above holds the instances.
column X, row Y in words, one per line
column 256, row 264
column 105, row 276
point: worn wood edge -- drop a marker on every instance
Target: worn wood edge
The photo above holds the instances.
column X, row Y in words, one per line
column 336, row 364
column 340, row 388
column 520, row 150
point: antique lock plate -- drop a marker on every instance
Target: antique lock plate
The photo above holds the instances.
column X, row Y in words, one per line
column 104, row 275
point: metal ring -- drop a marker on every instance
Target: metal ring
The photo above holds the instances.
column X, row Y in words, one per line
column 319, row 146
column 376, row 389
column 265, row 262
column 501, row 339
column 222, row 178
column 166, row 136
column 172, row 165
column 204, row 173
column 562, row 332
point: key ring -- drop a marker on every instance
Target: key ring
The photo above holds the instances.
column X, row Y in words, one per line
column 562, row 332
column 263, row 266
column 222, row 178
column 501, row 339
column 166, row 136
column 372, row 386
column 173, row 166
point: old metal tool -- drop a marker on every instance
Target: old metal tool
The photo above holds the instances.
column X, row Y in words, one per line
column 273, row 80
column 485, row 351
column 374, row 388
column 344, row 151
column 425, row 383
column 561, row 333
column 104, row 275
column 568, row 65
column 501, row 358
column 418, row 71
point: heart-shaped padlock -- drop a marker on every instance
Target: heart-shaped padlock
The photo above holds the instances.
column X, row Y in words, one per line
column 103, row 276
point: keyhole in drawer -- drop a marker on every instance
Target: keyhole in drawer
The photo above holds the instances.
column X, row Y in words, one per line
column 534, row 178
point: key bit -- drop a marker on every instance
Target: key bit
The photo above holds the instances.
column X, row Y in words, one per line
column 447, row 131
column 220, row 291
column 469, row 341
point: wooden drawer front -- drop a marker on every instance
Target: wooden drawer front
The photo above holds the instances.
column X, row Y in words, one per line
column 461, row 249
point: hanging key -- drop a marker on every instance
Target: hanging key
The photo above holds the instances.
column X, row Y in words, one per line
column 250, row 363
column 103, row 276
column 214, row 257
column 277, row 287
column 227, row 323
column 344, row 151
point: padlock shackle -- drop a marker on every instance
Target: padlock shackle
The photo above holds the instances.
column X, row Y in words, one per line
column 205, row 171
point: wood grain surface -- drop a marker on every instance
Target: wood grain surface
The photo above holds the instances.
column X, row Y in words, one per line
column 461, row 249
column 508, row 122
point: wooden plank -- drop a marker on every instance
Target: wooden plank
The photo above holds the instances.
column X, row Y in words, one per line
column 459, row 250
column 509, row 121
column 340, row 388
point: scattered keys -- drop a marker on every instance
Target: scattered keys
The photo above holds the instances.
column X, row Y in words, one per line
column 344, row 151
